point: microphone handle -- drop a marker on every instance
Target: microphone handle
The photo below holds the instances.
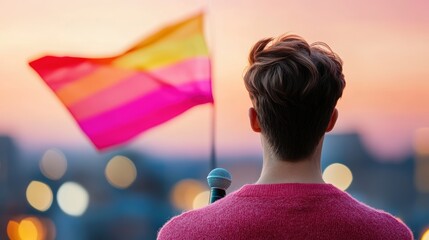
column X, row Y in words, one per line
column 216, row 194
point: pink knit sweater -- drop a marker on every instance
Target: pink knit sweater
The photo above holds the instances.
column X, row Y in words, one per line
column 285, row 211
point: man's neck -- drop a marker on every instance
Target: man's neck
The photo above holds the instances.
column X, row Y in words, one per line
column 305, row 170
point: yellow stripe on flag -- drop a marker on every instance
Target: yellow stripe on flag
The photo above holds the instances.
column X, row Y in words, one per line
column 173, row 32
column 163, row 53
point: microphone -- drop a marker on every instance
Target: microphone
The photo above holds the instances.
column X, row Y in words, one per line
column 219, row 180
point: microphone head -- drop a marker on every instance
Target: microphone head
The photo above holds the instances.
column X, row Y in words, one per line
column 219, row 178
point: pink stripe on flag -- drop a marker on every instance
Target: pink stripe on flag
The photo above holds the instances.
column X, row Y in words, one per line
column 125, row 91
column 125, row 132
column 181, row 72
column 138, row 85
column 197, row 92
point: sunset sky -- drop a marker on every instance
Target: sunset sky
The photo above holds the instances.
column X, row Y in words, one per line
column 384, row 45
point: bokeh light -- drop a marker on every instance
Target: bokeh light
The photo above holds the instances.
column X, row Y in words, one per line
column 338, row 175
column 12, row 230
column 421, row 141
column 72, row 198
column 425, row 235
column 31, row 228
column 184, row 193
column 201, row 200
column 28, row 230
column 39, row 195
column 53, row 164
column 120, row 172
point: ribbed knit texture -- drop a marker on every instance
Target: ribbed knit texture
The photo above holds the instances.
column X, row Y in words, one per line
column 286, row 211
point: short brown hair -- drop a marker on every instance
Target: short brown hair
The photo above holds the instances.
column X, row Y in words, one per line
column 294, row 87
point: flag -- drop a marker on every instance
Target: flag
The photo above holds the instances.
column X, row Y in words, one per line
column 114, row 99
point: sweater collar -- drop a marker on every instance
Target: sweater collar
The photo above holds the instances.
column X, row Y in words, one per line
column 280, row 189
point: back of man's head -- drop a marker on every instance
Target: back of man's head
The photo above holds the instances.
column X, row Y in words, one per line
column 294, row 87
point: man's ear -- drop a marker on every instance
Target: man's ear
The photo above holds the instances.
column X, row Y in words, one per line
column 254, row 122
column 333, row 120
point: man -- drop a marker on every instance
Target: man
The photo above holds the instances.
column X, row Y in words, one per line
column 294, row 88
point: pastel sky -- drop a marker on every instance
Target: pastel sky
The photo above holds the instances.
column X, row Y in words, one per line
column 384, row 45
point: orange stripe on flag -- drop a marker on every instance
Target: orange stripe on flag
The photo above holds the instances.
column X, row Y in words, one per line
column 102, row 78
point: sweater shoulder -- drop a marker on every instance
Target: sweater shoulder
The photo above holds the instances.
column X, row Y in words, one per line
column 194, row 223
column 372, row 220
column 179, row 224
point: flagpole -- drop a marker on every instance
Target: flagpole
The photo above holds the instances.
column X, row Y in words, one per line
column 213, row 140
column 210, row 33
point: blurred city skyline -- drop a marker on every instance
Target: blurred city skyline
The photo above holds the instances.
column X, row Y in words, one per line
column 74, row 194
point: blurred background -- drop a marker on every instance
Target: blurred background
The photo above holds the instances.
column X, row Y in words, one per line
column 55, row 185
